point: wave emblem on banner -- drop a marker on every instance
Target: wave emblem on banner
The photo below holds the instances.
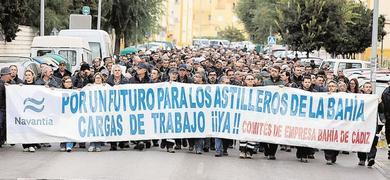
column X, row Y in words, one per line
column 35, row 105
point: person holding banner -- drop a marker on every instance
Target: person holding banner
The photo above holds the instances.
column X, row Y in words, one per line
column 155, row 77
column 303, row 153
column 331, row 155
column 116, row 78
column 29, row 79
column 221, row 145
column 274, row 80
column 199, row 78
column 169, row 143
column 370, row 156
column 47, row 78
column 5, row 79
column 99, row 80
column 66, row 84
column 247, row 147
column 141, row 77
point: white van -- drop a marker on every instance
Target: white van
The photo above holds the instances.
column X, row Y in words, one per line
column 99, row 41
column 340, row 64
column 74, row 49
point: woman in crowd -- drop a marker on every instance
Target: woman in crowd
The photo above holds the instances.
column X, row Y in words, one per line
column 29, row 79
column 331, row 155
column 99, row 80
column 66, row 83
column 353, row 86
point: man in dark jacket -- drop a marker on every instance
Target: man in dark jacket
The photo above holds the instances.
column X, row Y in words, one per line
column 141, row 77
column 303, row 153
column 297, row 76
column 183, row 74
column 6, row 77
column 61, row 72
column 14, row 75
column 82, row 78
column 274, row 80
column 386, row 111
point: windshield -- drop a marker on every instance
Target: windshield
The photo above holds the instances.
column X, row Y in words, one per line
column 96, row 49
column 70, row 55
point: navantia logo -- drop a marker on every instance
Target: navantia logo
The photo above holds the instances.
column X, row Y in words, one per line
column 35, row 105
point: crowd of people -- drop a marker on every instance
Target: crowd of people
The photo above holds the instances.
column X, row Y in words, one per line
column 199, row 66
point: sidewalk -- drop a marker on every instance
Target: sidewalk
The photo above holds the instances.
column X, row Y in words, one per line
column 382, row 163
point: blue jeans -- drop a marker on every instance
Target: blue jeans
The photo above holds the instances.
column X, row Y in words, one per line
column 218, row 146
column 66, row 145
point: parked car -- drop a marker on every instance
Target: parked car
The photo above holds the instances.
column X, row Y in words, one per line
column 341, row 64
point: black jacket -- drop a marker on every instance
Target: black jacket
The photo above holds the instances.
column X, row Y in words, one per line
column 135, row 79
column 16, row 80
column 386, row 103
column 59, row 75
column 80, row 82
column 2, row 96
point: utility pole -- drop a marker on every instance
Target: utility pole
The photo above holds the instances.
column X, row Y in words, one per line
column 374, row 41
column 42, row 20
column 99, row 14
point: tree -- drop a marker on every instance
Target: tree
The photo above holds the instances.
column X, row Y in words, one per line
column 355, row 37
column 133, row 19
column 232, row 34
column 305, row 24
column 9, row 18
column 258, row 17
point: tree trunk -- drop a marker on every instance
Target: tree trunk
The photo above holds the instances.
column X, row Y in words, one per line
column 119, row 36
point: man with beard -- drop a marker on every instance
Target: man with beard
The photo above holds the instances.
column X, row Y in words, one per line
column 274, row 80
column 61, row 72
column 14, row 75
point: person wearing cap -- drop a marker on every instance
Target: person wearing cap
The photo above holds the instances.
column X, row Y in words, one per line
column 47, row 78
column 83, row 77
column 14, row 75
column 141, row 77
column 5, row 78
column 183, row 74
column 61, row 72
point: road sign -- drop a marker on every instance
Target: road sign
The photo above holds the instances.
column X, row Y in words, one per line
column 271, row 40
column 86, row 10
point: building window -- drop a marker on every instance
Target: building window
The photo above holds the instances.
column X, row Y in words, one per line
column 177, row 1
column 234, row 5
column 209, row 17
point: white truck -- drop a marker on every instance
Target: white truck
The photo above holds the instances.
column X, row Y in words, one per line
column 76, row 50
column 99, row 41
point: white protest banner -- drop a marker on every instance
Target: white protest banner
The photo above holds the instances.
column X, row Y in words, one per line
column 341, row 121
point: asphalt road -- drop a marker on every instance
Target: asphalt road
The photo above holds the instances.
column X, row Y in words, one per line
column 155, row 163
